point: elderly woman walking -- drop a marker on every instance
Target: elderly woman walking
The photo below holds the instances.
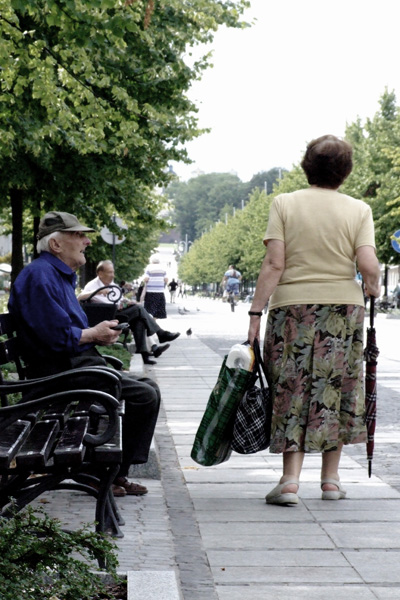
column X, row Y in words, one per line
column 313, row 346
column 155, row 282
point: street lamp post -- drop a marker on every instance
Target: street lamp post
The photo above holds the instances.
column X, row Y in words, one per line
column 184, row 245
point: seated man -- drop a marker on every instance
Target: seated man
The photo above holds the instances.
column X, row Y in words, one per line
column 55, row 335
column 140, row 321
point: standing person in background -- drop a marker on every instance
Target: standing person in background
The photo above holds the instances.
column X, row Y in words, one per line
column 396, row 294
column 182, row 290
column 155, row 279
column 140, row 292
column 172, row 286
column 313, row 347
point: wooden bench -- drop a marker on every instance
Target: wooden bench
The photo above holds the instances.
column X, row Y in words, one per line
column 52, row 439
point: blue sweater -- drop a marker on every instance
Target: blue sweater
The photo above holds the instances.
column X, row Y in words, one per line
column 48, row 315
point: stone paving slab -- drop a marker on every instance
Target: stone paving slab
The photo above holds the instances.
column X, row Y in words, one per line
column 358, row 535
column 386, row 593
column 153, row 585
column 376, row 566
column 225, row 531
column 285, row 575
column 253, row 515
column 270, row 541
column 298, row 592
column 273, row 558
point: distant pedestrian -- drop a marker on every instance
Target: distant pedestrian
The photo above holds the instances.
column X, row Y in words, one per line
column 155, row 281
column 182, row 291
column 172, row 286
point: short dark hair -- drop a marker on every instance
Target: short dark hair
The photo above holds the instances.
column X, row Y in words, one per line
column 327, row 161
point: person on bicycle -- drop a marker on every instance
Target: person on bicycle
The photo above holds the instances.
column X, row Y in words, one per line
column 232, row 279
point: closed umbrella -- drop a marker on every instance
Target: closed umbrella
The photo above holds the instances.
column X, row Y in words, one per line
column 371, row 353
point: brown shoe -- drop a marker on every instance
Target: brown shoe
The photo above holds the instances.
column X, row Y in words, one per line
column 131, row 489
column 118, row 491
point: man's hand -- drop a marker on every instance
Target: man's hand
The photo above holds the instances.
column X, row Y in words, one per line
column 103, row 292
column 101, row 334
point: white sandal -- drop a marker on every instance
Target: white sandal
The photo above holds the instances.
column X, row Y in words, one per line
column 275, row 496
column 338, row 494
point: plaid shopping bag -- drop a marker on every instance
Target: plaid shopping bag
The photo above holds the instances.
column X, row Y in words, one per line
column 212, row 444
column 252, row 426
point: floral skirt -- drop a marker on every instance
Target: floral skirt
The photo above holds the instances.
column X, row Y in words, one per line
column 314, row 359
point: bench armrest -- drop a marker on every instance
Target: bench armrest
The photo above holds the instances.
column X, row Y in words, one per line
column 110, row 405
column 49, row 397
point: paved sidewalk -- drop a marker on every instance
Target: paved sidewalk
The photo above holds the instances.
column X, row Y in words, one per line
column 211, row 526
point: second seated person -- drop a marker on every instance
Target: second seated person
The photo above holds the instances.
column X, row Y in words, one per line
column 140, row 321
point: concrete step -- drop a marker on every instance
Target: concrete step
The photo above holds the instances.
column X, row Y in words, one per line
column 152, row 585
column 149, row 470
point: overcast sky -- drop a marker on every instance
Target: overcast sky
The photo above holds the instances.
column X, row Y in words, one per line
column 306, row 68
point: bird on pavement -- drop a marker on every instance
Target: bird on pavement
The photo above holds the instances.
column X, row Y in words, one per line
column 185, row 309
column 180, row 311
column 189, row 331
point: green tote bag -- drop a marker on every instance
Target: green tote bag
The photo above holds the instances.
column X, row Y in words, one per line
column 212, row 443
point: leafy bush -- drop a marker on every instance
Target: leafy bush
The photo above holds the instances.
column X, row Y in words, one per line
column 119, row 352
column 40, row 561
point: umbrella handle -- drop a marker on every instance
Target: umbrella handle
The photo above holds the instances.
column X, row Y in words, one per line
column 371, row 310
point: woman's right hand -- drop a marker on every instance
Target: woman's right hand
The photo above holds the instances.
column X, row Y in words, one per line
column 254, row 330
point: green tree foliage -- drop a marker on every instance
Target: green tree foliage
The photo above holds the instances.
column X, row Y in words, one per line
column 264, row 180
column 93, row 102
column 201, row 201
column 205, row 199
column 239, row 242
column 375, row 176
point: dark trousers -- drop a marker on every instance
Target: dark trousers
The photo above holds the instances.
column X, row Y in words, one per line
column 141, row 323
column 142, row 403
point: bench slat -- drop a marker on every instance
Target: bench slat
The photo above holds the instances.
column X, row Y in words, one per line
column 70, row 448
column 61, row 414
column 37, row 449
column 11, row 441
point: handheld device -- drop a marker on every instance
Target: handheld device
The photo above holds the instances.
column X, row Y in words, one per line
column 120, row 326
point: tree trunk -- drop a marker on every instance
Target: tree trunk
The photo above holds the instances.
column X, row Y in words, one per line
column 36, row 221
column 17, row 261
